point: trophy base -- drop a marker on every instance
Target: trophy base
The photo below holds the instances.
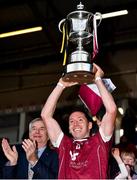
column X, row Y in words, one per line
column 80, row 72
column 80, row 77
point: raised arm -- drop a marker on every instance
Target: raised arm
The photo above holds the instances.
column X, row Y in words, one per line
column 123, row 171
column 108, row 120
column 52, row 125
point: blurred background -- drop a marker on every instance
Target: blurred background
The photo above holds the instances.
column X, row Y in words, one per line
column 31, row 63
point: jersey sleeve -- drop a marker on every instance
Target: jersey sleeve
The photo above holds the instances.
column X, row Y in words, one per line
column 57, row 143
column 105, row 138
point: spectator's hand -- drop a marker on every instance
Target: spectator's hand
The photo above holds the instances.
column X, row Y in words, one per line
column 67, row 84
column 115, row 152
column 10, row 153
column 30, row 148
column 97, row 71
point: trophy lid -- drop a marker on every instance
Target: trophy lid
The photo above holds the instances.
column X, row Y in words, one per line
column 80, row 11
column 80, row 6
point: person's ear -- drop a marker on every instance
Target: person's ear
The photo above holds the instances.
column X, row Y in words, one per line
column 90, row 125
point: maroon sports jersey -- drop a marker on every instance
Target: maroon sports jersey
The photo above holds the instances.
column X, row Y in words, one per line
column 83, row 159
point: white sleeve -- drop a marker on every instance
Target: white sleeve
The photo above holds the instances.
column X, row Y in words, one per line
column 105, row 138
column 123, row 172
column 57, row 143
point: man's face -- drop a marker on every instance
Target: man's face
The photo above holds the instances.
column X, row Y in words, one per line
column 79, row 126
column 38, row 133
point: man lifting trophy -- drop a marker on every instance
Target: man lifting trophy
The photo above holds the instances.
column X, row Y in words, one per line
column 79, row 32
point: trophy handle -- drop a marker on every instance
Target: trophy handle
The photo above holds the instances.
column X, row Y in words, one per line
column 60, row 23
column 98, row 17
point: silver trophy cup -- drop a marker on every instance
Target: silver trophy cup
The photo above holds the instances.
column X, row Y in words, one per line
column 80, row 28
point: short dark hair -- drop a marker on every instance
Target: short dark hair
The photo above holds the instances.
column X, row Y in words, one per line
column 83, row 110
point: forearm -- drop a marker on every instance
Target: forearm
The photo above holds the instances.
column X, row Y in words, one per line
column 50, row 105
column 52, row 125
column 123, row 171
column 33, row 160
column 106, row 96
column 118, row 159
column 11, row 163
column 108, row 120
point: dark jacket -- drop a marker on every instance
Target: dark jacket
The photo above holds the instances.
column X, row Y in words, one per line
column 45, row 168
column 3, row 160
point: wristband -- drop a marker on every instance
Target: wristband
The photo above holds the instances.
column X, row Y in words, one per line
column 97, row 78
column 61, row 85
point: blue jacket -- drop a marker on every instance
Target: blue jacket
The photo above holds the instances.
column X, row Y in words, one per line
column 46, row 167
